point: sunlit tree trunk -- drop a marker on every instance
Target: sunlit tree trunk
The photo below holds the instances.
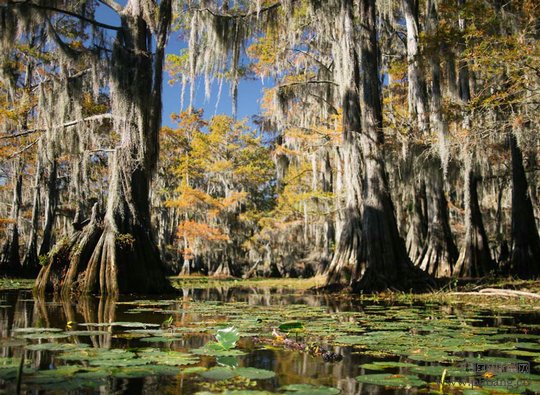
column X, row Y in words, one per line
column 384, row 262
column 10, row 263
column 51, row 204
column 119, row 254
column 475, row 257
column 344, row 266
column 370, row 238
column 30, row 262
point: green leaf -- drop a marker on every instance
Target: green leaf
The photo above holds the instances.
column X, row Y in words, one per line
column 308, row 389
column 218, row 373
column 292, row 326
column 227, row 337
column 392, row 380
column 254, row 373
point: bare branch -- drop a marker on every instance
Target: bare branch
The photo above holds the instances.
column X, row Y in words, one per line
column 24, row 149
column 64, row 125
column 112, row 4
column 15, row 135
column 291, row 84
column 244, row 15
column 65, row 12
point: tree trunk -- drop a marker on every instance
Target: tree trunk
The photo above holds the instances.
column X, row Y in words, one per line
column 343, row 267
column 417, row 232
column 119, row 254
column 384, row 262
column 440, row 253
column 380, row 258
column 418, row 106
column 475, row 258
column 30, row 262
column 10, row 262
column 525, row 254
column 51, row 204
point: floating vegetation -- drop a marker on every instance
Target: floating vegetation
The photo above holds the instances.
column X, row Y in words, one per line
column 256, row 341
column 392, row 380
column 308, row 389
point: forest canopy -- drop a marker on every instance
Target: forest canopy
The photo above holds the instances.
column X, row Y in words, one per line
column 396, row 143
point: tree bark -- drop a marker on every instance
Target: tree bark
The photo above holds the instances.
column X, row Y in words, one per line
column 343, row 267
column 30, row 262
column 525, row 253
column 119, row 254
column 475, row 258
column 51, row 204
column 10, row 262
column 380, row 258
column 418, row 104
column 417, row 232
column 440, row 253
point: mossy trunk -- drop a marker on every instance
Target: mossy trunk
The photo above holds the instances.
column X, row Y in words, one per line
column 30, row 263
column 384, row 262
column 342, row 271
column 374, row 252
column 416, row 235
column 525, row 252
column 440, row 253
column 119, row 254
column 10, row 262
column 475, row 258
column 51, row 203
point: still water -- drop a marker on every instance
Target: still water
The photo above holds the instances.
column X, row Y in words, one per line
column 163, row 345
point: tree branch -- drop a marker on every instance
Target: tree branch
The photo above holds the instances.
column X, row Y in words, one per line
column 244, row 15
column 25, row 148
column 291, row 84
column 112, row 5
column 65, row 12
column 64, row 125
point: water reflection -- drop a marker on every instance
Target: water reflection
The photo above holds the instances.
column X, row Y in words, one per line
column 22, row 310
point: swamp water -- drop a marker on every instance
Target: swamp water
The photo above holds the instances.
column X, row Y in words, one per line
column 155, row 346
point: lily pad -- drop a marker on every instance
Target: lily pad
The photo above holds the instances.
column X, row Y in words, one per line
column 217, row 353
column 56, row 346
column 44, row 335
column 254, row 373
column 291, row 326
column 35, row 330
column 352, row 339
column 392, row 380
column 218, row 373
column 438, row 371
column 308, row 389
column 387, row 365
column 172, row 358
column 194, row 369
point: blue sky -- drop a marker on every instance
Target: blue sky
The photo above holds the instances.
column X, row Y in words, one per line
column 249, row 91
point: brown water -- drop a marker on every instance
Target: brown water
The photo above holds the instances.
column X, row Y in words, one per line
column 198, row 312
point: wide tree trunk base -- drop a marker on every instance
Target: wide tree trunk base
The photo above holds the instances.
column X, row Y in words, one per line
column 222, row 270
column 410, row 280
column 99, row 260
column 437, row 260
column 30, row 264
column 474, row 261
column 10, row 264
column 342, row 270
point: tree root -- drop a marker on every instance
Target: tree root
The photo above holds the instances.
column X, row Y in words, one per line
column 99, row 259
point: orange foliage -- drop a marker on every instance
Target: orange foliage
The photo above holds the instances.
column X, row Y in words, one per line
column 192, row 230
